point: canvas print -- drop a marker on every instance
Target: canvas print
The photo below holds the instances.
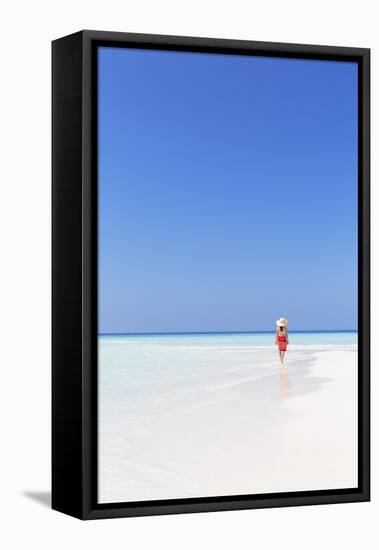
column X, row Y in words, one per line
column 228, row 286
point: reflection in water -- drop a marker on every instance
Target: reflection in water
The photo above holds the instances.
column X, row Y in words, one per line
column 285, row 387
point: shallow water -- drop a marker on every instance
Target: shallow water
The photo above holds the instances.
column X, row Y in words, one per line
column 130, row 362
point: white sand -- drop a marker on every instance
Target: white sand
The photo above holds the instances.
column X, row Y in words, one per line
column 292, row 429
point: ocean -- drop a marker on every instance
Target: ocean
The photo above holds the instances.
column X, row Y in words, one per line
column 131, row 361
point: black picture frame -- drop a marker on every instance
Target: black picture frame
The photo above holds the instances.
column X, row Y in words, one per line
column 74, row 273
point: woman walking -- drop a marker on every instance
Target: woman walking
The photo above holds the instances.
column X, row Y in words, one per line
column 281, row 338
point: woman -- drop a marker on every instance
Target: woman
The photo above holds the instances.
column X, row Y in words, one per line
column 281, row 339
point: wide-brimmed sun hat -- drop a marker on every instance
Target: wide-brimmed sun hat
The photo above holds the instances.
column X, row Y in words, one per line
column 282, row 322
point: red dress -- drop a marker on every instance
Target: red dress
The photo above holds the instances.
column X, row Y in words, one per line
column 282, row 343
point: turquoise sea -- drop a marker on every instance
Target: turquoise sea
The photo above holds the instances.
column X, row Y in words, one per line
column 129, row 362
column 226, row 338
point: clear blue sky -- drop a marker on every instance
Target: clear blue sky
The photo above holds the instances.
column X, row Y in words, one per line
column 227, row 192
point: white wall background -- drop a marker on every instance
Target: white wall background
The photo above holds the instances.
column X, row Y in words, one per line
column 26, row 31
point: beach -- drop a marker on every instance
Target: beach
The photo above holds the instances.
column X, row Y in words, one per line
column 194, row 415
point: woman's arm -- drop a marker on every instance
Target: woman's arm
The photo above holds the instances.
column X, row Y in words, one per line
column 276, row 336
column 287, row 335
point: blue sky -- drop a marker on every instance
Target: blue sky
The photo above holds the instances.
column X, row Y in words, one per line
column 227, row 192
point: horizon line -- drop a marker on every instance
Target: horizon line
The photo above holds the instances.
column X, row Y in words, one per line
column 166, row 333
